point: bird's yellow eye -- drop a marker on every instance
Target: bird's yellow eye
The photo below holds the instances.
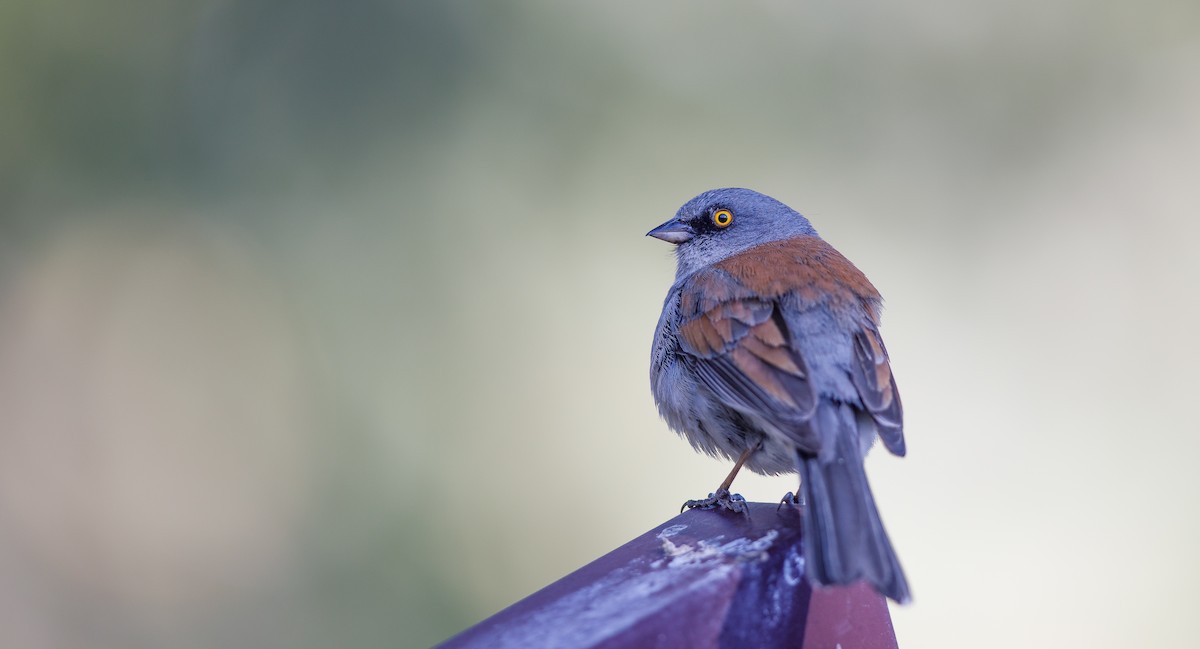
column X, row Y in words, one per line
column 722, row 218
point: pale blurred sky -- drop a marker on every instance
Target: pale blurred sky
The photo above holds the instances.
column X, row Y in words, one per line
column 328, row 324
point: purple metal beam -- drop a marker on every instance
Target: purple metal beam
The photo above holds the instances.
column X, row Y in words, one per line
column 702, row 579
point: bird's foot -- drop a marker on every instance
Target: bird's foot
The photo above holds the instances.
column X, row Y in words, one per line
column 721, row 499
column 790, row 498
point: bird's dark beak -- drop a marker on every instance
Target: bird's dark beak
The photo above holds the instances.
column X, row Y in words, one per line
column 673, row 231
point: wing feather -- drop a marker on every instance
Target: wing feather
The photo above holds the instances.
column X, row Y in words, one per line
column 741, row 350
column 871, row 374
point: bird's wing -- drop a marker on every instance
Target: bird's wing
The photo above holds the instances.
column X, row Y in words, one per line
column 737, row 340
column 738, row 344
column 872, row 376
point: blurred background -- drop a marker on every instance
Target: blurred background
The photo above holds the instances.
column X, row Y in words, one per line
column 328, row 324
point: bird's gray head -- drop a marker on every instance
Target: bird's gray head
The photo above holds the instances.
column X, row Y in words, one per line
column 723, row 222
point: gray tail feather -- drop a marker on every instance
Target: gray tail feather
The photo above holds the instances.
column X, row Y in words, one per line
column 844, row 540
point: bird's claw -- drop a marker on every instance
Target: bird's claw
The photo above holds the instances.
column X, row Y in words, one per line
column 721, row 499
column 790, row 498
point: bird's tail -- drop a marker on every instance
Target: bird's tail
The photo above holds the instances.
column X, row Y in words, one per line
column 844, row 540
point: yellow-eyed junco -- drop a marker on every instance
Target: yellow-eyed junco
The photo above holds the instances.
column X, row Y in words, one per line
column 768, row 353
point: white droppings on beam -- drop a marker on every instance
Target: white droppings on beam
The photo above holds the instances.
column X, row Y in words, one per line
column 630, row 594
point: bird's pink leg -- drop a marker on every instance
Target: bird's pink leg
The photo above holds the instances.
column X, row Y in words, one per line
column 721, row 497
column 738, row 467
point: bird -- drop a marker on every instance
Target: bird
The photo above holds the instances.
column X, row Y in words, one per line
column 768, row 353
